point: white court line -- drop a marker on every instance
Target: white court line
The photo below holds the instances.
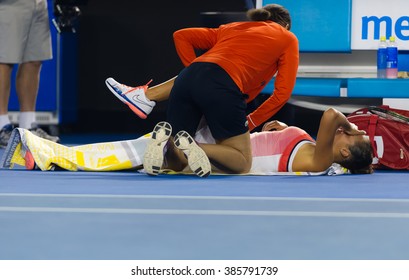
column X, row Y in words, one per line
column 204, row 212
column 122, row 196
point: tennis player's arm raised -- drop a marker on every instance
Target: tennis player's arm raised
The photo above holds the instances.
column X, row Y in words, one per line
column 331, row 121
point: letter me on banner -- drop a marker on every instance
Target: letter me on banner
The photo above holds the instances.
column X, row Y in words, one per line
column 375, row 18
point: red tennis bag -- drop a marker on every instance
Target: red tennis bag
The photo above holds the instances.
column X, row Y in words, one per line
column 388, row 130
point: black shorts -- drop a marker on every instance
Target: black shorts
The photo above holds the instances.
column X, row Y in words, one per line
column 205, row 89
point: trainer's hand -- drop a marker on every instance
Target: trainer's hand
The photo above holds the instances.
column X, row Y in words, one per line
column 274, row 125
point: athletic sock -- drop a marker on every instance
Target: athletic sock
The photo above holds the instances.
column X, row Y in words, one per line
column 4, row 120
column 27, row 119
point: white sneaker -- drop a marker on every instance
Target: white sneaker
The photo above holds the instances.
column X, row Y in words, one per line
column 134, row 97
column 41, row 133
column 5, row 133
column 197, row 159
column 153, row 158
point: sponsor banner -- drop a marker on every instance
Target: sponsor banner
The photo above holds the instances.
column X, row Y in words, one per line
column 376, row 18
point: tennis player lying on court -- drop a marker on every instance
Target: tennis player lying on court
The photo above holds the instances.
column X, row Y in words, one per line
column 277, row 149
column 284, row 149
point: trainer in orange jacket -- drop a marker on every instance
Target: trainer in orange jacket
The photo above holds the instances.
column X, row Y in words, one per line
column 251, row 59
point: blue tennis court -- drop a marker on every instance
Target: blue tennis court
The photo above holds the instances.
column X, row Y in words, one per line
column 128, row 215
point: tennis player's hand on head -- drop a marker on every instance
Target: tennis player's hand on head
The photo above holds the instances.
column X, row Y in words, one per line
column 351, row 129
column 274, row 125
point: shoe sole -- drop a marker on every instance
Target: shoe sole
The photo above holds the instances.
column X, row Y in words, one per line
column 153, row 157
column 134, row 108
column 197, row 159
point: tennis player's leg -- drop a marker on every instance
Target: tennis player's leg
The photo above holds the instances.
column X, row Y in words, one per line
column 231, row 155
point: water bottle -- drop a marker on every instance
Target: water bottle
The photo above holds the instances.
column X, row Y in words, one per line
column 392, row 59
column 381, row 58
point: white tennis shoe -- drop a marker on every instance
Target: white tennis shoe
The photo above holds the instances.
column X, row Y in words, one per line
column 154, row 155
column 134, row 97
column 197, row 159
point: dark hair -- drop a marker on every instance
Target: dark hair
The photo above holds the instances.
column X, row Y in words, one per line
column 360, row 160
column 273, row 12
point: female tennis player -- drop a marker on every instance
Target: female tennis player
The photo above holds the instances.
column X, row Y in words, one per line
column 278, row 148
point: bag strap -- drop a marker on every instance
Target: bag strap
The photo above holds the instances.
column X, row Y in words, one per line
column 373, row 120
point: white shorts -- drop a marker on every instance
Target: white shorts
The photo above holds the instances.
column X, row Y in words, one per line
column 24, row 31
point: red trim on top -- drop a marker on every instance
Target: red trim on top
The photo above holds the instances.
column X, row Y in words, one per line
column 285, row 157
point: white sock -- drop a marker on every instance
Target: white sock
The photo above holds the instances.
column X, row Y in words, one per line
column 26, row 119
column 4, row 120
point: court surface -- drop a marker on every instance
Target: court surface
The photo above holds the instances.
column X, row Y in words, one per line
column 127, row 215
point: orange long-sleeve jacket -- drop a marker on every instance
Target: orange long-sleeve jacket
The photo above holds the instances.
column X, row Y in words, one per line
column 251, row 53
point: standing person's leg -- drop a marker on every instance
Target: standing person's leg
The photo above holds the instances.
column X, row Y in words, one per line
column 11, row 48
column 5, row 125
column 12, row 37
column 5, row 85
column 37, row 48
column 27, row 82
